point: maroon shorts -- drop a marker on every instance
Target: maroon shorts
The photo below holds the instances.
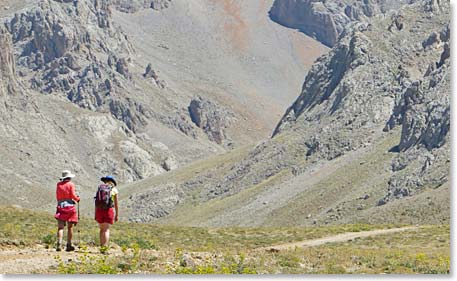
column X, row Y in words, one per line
column 104, row 216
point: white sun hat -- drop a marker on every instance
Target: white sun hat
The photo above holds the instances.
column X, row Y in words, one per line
column 67, row 174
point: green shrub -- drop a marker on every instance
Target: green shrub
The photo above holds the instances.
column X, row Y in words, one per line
column 140, row 241
column 332, row 268
column 288, row 261
column 229, row 265
column 100, row 264
column 49, row 240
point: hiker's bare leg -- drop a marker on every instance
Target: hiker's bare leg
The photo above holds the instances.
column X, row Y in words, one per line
column 60, row 227
column 70, row 233
column 105, row 227
column 104, row 234
column 101, row 234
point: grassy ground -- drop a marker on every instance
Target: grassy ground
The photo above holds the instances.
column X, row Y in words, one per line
column 150, row 248
column 366, row 174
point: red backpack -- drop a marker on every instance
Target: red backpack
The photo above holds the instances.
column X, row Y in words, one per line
column 103, row 198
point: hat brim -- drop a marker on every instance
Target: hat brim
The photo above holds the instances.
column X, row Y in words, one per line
column 108, row 179
column 70, row 176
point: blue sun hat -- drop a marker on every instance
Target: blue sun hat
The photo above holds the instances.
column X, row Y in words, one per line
column 109, row 178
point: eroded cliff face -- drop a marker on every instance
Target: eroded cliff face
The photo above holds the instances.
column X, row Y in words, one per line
column 325, row 20
column 7, row 64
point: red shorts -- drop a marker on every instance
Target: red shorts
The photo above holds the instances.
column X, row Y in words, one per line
column 104, row 216
column 67, row 214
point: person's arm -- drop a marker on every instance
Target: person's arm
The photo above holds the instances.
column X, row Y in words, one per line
column 73, row 193
column 116, row 218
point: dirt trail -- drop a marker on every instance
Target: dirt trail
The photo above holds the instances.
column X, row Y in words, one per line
column 38, row 259
column 343, row 237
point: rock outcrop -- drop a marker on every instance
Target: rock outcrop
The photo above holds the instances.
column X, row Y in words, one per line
column 7, row 64
column 63, row 46
column 132, row 6
column 423, row 112
column 211, row 118
column 160, row 4
column 325, row 20
column 151, row 73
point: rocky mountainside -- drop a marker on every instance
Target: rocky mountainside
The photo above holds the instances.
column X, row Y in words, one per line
column 136, row 88
column 367, row 140
column 325, row 20
column 42, row 133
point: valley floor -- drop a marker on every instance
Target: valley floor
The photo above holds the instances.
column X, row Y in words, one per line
column 27, row 240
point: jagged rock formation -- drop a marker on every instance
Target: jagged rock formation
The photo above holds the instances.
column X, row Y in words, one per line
column 212, row 118
column 7, row 64
column 423, row 113
column 325, row 20
column 132, row 6
column 160, row 4
column 65, row 55
column 151, row 73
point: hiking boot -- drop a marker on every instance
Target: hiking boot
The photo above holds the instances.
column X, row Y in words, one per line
column 69, row 248
column 58, row 249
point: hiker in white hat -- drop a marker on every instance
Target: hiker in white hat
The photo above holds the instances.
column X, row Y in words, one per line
column 66, row 210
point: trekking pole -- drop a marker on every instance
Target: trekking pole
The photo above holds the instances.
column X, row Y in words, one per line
column 79, row 230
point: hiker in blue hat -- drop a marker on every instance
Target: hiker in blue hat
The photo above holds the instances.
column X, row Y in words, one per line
column 106, row 209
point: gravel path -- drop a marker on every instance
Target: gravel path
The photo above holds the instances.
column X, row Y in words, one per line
column 343, row 237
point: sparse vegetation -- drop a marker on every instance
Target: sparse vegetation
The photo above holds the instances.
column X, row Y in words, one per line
column 147, row 248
